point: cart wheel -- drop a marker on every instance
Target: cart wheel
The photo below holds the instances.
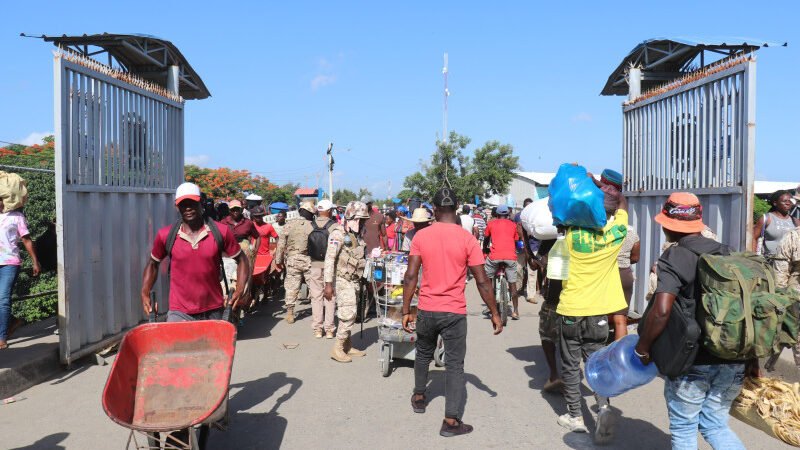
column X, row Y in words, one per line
column 386, row 363
column 438, row 354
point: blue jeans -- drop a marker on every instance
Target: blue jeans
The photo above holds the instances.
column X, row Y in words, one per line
column 8, row 276
column 701, row 399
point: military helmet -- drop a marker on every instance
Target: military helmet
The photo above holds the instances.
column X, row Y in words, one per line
column 308, row 206
column 356, row 210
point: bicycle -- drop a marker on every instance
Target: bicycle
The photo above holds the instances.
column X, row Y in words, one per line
column 501, row 294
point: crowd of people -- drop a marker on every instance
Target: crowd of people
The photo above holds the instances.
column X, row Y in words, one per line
column 326, row 247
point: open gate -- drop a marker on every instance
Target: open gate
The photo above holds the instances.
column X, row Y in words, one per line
column 695, row 134
column 119, row 158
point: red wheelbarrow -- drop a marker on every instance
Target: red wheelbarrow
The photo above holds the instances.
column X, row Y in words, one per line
column 169, row 379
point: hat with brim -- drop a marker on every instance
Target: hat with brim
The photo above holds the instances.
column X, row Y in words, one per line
column 187, row 191
column 420, row 216
column 682, row 213
column 235, row 204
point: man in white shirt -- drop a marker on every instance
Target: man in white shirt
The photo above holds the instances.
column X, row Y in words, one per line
column 467, row 222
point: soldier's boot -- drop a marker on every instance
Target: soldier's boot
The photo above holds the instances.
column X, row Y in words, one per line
column 290, row 314
column 338, row 353
column 348, row 348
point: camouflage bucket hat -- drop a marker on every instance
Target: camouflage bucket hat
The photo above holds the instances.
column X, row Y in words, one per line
column 356, row 210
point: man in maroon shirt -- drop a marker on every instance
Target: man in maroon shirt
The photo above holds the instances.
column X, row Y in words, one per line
column 195, row 259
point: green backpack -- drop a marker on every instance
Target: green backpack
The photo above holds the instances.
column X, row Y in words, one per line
column 741, row 313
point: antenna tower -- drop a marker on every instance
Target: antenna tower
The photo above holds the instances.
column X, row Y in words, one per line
column 446, row 94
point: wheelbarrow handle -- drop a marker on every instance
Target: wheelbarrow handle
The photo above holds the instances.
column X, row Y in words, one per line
column 153, row 304
column 226, row 313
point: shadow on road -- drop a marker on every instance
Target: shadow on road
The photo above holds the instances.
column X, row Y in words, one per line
column 436, row 385
column 633, row 434
column 539, row 373
column 262, row 320
column 256, row 430
column 48, row 442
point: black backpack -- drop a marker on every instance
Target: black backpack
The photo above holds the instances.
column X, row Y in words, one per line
column 318, row 241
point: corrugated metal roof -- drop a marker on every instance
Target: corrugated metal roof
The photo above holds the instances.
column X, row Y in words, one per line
column 542, row 178
column 306, row 192
column 664, row 60
column 142, row 54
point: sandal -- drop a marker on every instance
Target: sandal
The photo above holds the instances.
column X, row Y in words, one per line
column 3, row 345
column 515, row 316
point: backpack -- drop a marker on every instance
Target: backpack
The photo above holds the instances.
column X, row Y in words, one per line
column 173, row 234
column 318, row 241
column 675, row 349
column 739, row 310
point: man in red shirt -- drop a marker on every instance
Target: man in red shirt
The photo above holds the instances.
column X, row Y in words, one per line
column 502, row 233
column 446, row 250
column 195, row 259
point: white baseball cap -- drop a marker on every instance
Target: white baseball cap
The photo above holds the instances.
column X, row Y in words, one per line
column 324, row 205
column 187, row 191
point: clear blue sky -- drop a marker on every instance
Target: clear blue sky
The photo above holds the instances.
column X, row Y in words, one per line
column 286, row 78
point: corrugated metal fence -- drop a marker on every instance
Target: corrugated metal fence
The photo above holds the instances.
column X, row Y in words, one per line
column 119, row 157
column 697, row 137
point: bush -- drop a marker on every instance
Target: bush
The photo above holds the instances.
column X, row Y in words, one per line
column 760, row 207
column 40, row 211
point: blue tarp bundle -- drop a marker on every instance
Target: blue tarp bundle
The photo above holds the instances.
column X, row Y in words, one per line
column 575, row 200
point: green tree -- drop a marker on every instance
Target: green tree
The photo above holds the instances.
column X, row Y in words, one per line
column 488, row 172
column 283, row 193
column 364, row 194
column 343, row 196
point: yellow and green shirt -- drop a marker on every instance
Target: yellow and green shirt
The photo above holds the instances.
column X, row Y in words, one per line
column 593, row 286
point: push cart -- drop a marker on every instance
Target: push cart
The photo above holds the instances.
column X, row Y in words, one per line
column 169, row 383
column 386, row 273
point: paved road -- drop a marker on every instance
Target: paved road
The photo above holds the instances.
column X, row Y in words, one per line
column 301, row 399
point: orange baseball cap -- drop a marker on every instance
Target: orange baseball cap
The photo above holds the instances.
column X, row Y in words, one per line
column 682, row 213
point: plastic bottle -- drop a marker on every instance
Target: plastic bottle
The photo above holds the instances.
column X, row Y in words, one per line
column 558, row 260
column 616, row 369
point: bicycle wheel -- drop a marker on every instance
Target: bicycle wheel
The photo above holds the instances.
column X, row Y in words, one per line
column 502, row 302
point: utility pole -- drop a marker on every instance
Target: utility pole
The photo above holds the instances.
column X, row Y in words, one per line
column 330, row 171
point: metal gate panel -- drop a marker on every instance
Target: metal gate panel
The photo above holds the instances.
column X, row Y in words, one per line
column 119, row 158
column 695, row 135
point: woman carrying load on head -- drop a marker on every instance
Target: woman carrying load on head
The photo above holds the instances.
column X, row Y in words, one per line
column 13, row 231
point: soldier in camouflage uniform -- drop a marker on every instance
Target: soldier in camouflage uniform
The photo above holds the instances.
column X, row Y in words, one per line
column 293, row 253
column 344, row 264
column 787, row 271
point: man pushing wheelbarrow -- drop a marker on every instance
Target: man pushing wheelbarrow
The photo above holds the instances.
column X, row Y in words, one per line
column 170, row 378
column 195, row 248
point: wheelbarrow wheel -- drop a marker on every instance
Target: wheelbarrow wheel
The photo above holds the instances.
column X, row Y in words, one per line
column 438, row 354
column 386, row 363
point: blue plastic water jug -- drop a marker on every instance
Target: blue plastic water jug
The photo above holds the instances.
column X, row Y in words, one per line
column 616, row 369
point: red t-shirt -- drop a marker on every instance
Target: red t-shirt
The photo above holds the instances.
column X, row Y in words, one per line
column 446, row 250
column 194, row 285
column 504, row 239
column 391, row 231
column 265, row 231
